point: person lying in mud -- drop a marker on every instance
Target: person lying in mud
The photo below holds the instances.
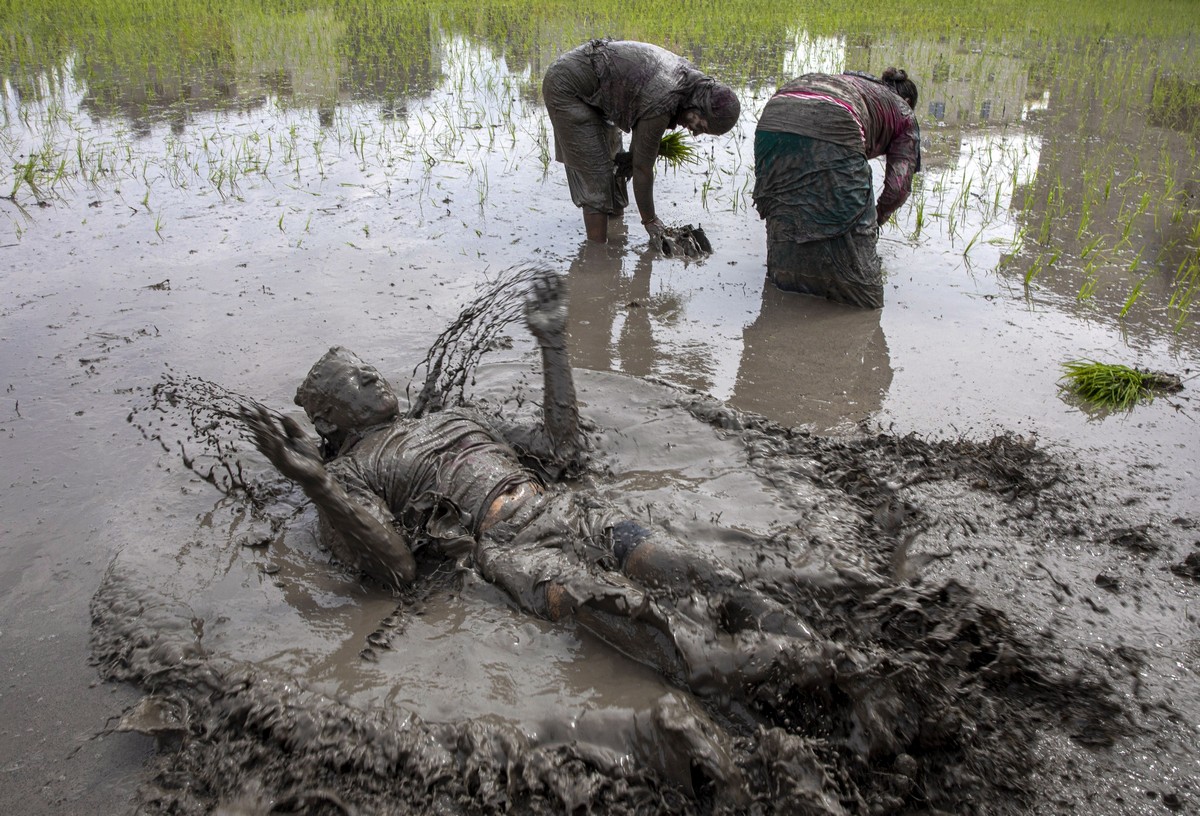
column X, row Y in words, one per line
column 603, row 87
column 847, row 686
column 391, row 484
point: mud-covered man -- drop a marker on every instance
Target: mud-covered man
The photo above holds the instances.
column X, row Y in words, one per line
column 389, row 483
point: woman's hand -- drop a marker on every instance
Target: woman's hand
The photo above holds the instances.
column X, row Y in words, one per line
column 655, row 229
column 286, row 444
column 546, row 307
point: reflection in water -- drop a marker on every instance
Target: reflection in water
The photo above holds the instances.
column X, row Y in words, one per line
column 808, row 361
column 445, row 123
column 1100, row 219
column 640, row 313
column 455, row 107
column 610, row 323
column 291, row 60
column 426, row 94
column 1114, row 210
column 239, row 64
column 811, row 53
column 804, row 360
column 1100, row 212
column 961, row 85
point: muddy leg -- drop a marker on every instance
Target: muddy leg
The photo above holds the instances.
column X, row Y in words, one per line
column 658, row 561
column 546, row 582
column 681, row 638
column 733, row 642
column 596, row 226
column 749, row 664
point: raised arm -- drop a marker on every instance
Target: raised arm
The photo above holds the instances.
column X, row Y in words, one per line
column 546, row 316
column 359, row 526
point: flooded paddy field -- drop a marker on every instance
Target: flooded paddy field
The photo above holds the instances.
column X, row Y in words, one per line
column 230, row 189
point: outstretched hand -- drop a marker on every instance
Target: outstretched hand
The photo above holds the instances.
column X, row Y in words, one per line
column 546, row 306
column 286, row 444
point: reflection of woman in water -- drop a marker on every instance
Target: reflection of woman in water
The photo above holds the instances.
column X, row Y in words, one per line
column 606, row 301
column 813, row 182
column 603, row 87
column 806, row 361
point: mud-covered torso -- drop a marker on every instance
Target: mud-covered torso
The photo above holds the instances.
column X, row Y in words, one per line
column 879, row 122
column 438, row 474
column 629, row 81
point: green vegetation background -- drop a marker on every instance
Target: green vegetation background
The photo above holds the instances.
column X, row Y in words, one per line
column 39, row 33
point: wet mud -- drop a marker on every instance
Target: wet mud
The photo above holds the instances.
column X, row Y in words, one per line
column 1074, row 559
column 685, row 242
column 275, row 682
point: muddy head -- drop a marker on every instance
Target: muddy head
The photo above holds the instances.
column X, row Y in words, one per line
column 712, row 108
column 694, row 120
column 343, row 395
column 897, row 79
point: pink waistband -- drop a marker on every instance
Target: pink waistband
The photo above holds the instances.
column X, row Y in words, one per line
column 827, row 98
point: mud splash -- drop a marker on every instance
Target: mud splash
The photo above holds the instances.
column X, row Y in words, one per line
column 844, row 532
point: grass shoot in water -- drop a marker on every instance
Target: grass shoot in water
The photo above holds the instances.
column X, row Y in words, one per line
column 1114, row 386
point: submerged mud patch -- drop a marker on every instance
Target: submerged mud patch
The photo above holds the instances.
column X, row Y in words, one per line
column 934, row 701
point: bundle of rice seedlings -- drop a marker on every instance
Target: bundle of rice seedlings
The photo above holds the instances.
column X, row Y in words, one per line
column 675, row 151
column 1114, row 386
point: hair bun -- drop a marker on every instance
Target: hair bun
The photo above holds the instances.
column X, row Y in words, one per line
column 895, row 74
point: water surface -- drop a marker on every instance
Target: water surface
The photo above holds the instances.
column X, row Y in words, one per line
column 231, row 191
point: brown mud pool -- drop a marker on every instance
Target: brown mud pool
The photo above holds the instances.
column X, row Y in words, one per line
column 274, row 681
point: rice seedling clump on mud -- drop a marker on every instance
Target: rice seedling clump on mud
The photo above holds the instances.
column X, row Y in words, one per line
column 1114, row 386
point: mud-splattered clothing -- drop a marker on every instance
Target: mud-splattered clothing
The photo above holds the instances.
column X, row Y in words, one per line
column 558, row 537
column 450, row 479
column 441, row 474
column 438, row 475
column 856, row 112
column 813, row 182
column 599, row 89
column 564, row 553
column 568, row 555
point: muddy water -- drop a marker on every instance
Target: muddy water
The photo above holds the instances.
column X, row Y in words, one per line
column 376, row 249
column 256, row 651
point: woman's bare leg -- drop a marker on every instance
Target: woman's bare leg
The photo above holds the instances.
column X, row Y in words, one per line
column 596, row 226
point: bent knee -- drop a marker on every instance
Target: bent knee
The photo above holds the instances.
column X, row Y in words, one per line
column 557, row 601
column 626, row 536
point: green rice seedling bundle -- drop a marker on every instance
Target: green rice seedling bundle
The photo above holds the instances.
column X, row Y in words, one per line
column 675, row 150
column 1114, row 386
